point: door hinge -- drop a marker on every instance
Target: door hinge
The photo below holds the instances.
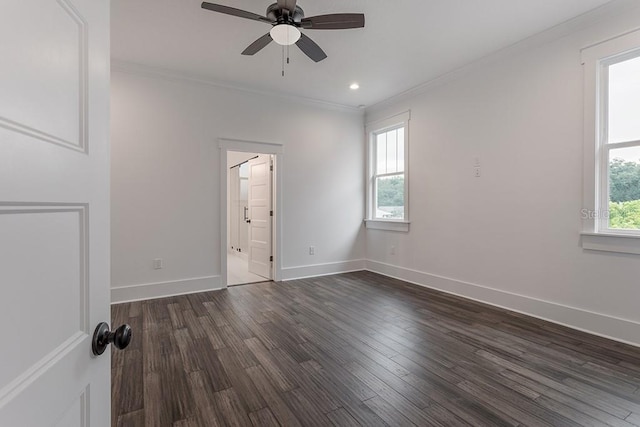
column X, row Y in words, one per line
column 271, row 168
column 271, row 258
column 270, row 213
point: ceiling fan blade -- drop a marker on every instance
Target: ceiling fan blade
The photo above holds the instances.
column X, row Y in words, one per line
column 258, row 45
column 310, row 48
column 290, row 5
column 336, row 21
column 235, row 12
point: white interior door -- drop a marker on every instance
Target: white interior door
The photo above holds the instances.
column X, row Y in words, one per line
column 54, row 211
column 260, row 216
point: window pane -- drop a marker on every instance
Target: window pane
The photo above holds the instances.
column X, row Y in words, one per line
column 624, row 101
column 392, row 151
column 401, row 150
column 381, row 154
column 390, row 197
column 624, row 188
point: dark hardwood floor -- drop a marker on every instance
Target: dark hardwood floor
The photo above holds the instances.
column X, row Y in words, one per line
column 361, row 349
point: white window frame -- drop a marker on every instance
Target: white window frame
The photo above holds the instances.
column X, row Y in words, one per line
column 372, row 129
column 596, row 59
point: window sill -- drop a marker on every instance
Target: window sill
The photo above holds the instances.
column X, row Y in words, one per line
column 610, row 242
column 379, row 224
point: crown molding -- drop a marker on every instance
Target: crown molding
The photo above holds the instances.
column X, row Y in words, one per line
column 587, row 19
column 178, row 76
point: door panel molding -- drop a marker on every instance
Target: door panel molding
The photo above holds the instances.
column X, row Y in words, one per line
column 78, row 412
column 49, row 356
column 33, row 130
column 26, row 378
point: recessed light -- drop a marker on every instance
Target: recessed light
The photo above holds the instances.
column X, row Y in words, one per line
column 354, row 86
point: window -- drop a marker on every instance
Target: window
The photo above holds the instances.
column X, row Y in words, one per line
column 387, row 168
column 620, row 144
column 612, row 145
column 388, row 177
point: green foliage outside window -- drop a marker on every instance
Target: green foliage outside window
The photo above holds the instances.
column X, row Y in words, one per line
column 624, row 193
column 391, row 192
column 625, row 181
column 625, row 215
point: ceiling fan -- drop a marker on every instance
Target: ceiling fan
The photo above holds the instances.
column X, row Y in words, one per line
column 286, row 18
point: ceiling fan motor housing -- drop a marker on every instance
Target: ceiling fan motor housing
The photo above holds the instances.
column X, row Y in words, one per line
column 275, row 13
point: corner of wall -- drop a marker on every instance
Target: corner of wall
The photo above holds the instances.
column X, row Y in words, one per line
column 326, row 269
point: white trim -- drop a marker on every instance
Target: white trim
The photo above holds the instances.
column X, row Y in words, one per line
column 388, row 225
column 609, row 242
column 615, row 328
column 231, row 144
column 625, row 144
column 596, row 58
column 612, row 234
column 277, row 150
column 388, row 122
column 148, row 291
column 612, row 47
column 317, row 270
column 172, row 75
column 372, row 129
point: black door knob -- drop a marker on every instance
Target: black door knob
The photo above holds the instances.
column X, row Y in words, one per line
column 102, row 337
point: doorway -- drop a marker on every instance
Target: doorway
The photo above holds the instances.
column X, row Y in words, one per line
column 250, row 185
column 249, row 207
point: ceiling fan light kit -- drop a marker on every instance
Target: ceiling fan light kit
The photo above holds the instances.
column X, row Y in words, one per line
column 287, row 18
column 285, row 34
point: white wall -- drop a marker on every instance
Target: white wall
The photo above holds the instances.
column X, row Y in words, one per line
column 165, row 184
column 511, row 237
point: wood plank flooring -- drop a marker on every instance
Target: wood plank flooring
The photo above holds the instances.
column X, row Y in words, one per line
column 361, row 349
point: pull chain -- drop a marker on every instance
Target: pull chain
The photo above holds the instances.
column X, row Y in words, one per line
column 282, row 61
column 288, row 60
column 287, row 47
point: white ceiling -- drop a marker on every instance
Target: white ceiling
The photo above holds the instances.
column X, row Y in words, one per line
column 405, row 42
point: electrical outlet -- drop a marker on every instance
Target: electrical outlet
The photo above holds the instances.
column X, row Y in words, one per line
column 476, row 171
column 158, row 264
column 312, row 250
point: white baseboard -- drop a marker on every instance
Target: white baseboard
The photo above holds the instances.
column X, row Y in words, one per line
column 164, row 289
column 315, row 270
column 623, row 330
